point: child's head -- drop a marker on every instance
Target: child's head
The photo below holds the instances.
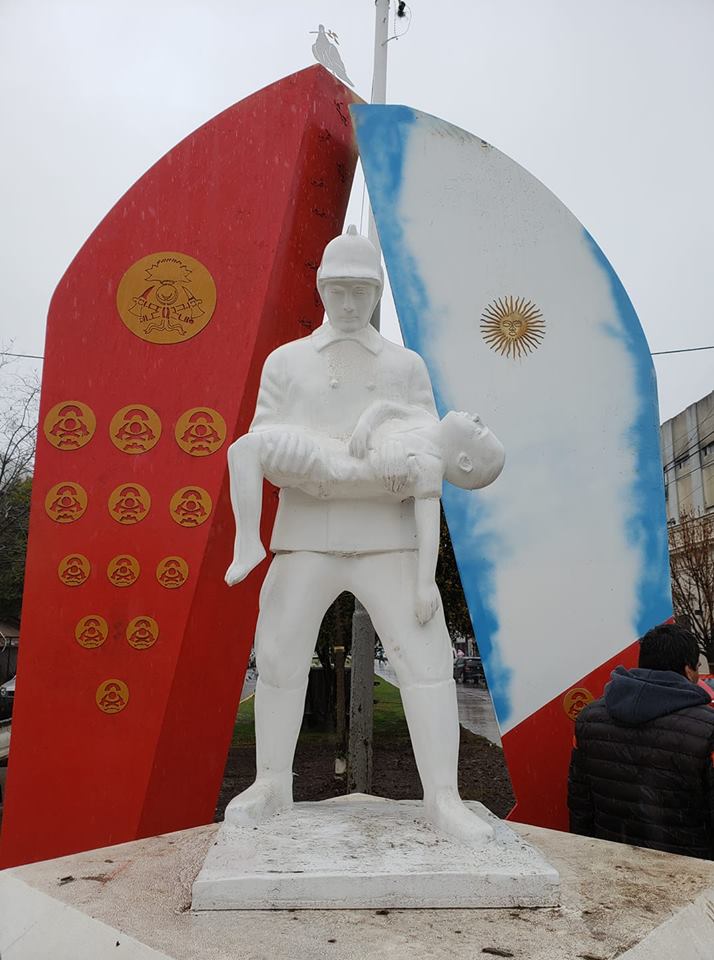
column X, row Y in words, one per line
column 473, row 456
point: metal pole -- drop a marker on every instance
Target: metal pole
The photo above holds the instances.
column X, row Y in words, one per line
column 359, row 773
column 379, row 95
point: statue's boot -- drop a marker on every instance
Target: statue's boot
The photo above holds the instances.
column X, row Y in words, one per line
column 278, row 715
column 433, row 721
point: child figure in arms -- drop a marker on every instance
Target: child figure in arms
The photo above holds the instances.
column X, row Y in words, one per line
column 459, row 448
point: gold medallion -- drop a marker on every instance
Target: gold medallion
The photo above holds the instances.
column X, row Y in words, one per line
column 200, row 431
column 66, row 502
column 129, row 503
column 172, row 572
column 574, row 701
column 112, row 696
column 91, row 631
column 512, row 326
column 190, row 506
column 142, row 632
column 73, row 569
column 123, row 570
column 70, row 425
column 135, row 428
column 166, row 297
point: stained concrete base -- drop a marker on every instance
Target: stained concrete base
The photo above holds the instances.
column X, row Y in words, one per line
column 361, row 852
column 132, row 901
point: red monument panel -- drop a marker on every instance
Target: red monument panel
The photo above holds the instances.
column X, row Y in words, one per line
column 133, row 649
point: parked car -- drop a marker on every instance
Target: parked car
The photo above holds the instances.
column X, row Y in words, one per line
column 7, row 697
column 469, row 669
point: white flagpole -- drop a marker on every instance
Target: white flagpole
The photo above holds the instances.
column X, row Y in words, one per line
column 359, row 768
column 379, row 95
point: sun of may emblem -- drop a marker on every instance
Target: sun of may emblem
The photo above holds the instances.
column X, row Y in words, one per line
column 513, row 326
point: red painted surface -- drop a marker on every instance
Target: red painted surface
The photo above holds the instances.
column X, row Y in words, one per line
column 254, row 195
column 538, row 751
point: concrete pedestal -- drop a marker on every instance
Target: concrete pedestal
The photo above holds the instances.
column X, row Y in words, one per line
column 361, row 852
column 132, row 902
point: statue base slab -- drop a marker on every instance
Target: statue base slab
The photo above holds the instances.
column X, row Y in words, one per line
column 361, row 852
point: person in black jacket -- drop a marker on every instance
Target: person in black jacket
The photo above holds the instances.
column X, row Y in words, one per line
column 641, row 769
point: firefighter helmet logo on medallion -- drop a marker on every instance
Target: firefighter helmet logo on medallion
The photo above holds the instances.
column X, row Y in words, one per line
column 200, row 431
column 66, row 502
column 70, row 425
column 135, row 428
column 190, row 506
column 91, row 631
column 129, row 503
column 512, row 326
column 172, row 572
column 73, row 569
column 123, row 570
column 142, row 632
column 166, row 297
column 574, row 701
column 112, row 696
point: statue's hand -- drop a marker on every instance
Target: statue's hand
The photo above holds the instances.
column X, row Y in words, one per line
column 427, row 601
column 358, row 442
column 291, row 453
column 392, row 465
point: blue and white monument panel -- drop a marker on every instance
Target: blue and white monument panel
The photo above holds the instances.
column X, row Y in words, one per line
column 521, row 318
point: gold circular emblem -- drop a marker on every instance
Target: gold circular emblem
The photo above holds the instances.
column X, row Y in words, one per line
column 135, row 428
column 166, row 297
column 574, row 701
column 70, row 425
column 73, row 569
column 66, row 502
column 129, row 503
column 190, row 506
column 172, row 572
column 123, row 570
column 512, row 326
column 112, row 696
column 142, row 633
column 200, row 431
column 91, row 631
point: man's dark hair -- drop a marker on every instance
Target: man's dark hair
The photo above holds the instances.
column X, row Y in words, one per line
column 669, row 647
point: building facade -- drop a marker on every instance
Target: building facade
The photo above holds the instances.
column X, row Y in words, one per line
column 687, row 443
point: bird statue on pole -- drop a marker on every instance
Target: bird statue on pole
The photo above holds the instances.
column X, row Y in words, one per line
column 326, row 53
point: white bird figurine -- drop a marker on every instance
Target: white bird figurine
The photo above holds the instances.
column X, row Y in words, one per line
column 328, row 55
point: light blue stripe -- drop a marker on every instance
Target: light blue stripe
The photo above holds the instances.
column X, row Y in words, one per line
column 647, row 523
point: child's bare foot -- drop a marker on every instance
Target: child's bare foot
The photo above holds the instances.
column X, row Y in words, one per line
column 247, row 560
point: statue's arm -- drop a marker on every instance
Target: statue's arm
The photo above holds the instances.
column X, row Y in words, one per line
column 270, row 405
column 420, row 391
column 427, row 516
column 290, row 450
column 377, row 414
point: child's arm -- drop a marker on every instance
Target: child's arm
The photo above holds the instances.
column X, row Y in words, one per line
column 377, row 414
column 426, row 513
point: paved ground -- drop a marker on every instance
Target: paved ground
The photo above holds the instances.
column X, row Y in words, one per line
column 91, row 905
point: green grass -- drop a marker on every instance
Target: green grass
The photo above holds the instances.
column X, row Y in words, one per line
column 389, row 719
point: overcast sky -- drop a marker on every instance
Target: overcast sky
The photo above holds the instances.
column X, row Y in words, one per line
column 609, row 103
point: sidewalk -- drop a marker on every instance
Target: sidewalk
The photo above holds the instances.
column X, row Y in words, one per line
column 475, row 707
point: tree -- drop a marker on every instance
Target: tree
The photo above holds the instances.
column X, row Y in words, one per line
column 456, row 611
column 691, row 558
column 18, row 434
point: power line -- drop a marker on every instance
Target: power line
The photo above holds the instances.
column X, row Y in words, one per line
column 654, row 353
column 661, row 353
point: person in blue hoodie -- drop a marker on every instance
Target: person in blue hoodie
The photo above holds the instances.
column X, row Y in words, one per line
column 641, row 770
